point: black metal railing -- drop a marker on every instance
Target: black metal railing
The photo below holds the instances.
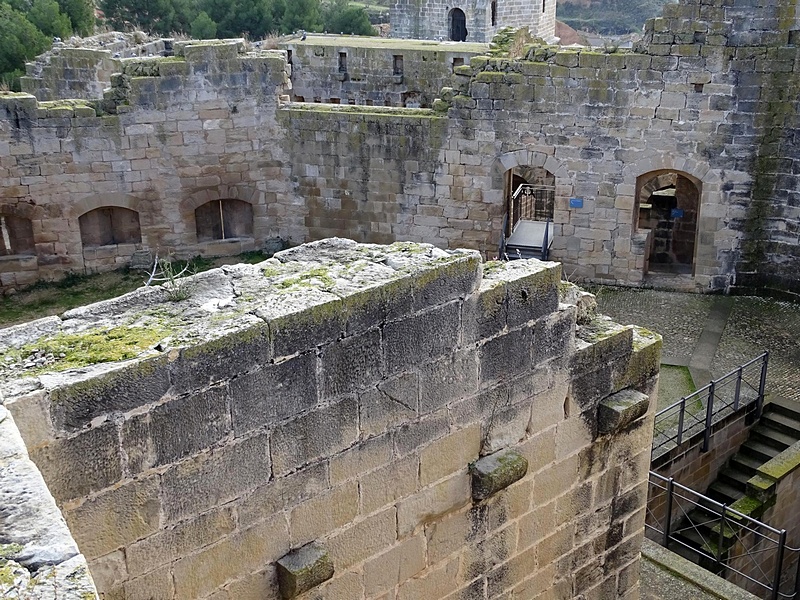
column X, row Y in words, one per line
column 532, row 203
column 737, row 547
column 695, row 413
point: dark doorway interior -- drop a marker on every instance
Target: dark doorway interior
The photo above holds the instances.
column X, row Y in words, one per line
column 458, row 25
column 668, row 204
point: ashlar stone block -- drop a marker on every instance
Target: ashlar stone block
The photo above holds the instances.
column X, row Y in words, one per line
column 619, row 410
column 303, row 569
column 496, row 472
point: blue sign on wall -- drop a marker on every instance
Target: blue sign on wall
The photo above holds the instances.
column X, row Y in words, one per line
column 576, row 202
column 677, row 213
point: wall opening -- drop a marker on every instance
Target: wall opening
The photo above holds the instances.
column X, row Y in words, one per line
column 667, row 203
column 458, row 25
column 110, row 225
column 544, row 5
column 223, row 219
column 16, row 236
column 530, row 194
column 397, row 64
column 457, row 62
column 494, row 13
column 342, row 62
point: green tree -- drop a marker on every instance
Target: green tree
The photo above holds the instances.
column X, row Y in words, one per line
column 301, row 14
column 340, row 17
column 157, row 16
column 81, row 14
column 241, row 17
column 20, row 40
column 49, row 19
column 203, row 27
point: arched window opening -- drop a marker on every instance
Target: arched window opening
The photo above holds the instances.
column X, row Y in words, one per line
column 458, row 25
column 667, row 204
column 16, row 236
column 494, row 13
column 110, row 225
column 530, row 202
column 223, row 219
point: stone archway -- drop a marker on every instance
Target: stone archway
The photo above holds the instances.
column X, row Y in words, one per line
column 668, row 205
column 458, row 25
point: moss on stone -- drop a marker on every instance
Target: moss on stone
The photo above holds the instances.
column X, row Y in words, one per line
column 9, row 550
column 783, row 464
column 89, row 347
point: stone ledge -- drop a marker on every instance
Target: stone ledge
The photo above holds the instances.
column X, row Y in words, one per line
column 620, row 410
column 715, row 586
column 303, row 569
column 496, row 472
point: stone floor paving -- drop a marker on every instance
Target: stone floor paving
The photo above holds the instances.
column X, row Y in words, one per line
column 679, row 317
column 751, row 325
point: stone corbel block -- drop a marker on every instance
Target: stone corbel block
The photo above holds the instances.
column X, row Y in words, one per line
column 496, row 472
column 303, row 569
column 619, row 410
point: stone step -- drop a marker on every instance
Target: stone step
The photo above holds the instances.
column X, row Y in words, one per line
column 745, row 464
column 734, row 477
column 782, row 422
column 723, row 492
column 784, row 406
column 759, row 451
column 772, row 437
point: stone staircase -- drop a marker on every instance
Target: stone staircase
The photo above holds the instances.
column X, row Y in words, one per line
column 778, row 428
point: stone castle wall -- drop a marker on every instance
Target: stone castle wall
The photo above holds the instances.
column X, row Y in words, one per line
column 339, row 394
column 374, row 72
column 83, row 72
column 708, row 96
column 430, row 19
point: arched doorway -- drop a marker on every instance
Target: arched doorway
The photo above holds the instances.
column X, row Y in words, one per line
column 530, row 194
column 667, row 204
column 458, row 25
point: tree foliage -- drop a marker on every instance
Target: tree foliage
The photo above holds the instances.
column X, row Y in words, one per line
column 81, row 15
column 46, row 15
column 20, row 40
column 203, row 27
column 341, row 17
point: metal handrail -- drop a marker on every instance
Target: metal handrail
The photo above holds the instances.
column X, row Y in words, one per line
column 723, row 521
column 710, row 402
column 529, row 187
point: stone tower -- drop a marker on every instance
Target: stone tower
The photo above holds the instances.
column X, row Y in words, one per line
column 471, row 20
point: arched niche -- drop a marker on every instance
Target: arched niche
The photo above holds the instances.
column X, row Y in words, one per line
column 110, row 225
column 223, row 219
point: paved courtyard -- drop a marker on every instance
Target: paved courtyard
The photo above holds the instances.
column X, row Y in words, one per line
column 714, row 334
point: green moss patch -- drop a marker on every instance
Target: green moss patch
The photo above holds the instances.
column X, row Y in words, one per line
column 72, row 350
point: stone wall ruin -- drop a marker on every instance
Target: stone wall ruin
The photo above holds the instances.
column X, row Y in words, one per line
column 338, row 395
column 710, row 97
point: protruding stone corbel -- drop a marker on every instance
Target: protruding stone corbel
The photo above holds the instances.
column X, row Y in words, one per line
column 496, row 472
column 303, row 569
column 619, row 410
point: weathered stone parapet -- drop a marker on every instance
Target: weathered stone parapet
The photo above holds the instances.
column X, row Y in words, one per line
column 337, row 394
column 38, row 556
